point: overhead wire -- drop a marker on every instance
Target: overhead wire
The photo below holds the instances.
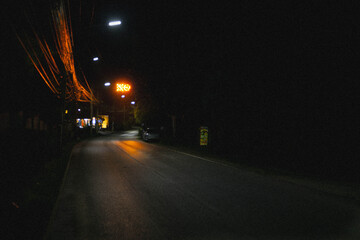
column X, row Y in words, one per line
column 65, row 43
column 38, row 68
column 52, row 75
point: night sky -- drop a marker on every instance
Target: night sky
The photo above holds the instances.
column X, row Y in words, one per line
column 279, row 52
column 278, row 66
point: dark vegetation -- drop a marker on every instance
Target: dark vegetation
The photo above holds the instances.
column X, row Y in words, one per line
column 274, row 83
column 32, row 170
column 326, row 154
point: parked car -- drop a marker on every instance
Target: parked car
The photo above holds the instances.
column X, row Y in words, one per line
column 150, row 134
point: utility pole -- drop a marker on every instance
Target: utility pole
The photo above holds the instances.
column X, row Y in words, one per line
column 91, row 113
column 63, row 95
column 124, row 113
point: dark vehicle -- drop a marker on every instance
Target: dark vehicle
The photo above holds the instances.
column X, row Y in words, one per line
column 150, row 134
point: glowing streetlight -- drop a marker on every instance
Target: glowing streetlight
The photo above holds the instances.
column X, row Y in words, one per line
column 123, row 87
column 107, row 84
column 114, row 23
column 132, row 102
column 95, row 59
column 122, row 96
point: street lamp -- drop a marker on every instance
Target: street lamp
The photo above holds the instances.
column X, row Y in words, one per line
column 114, row 23
column 95, row 59
column 107, row 84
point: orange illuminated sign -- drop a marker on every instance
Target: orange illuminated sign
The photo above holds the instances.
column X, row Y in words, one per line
column 123, row 87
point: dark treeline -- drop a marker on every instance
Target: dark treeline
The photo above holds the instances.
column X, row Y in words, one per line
column 276, row 84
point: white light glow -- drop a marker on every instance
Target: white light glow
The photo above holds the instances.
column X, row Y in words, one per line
column 114, row 23
column 123, row 96
column 79, row 109
column 133, row 102
column 107, row 84
column 95, row 59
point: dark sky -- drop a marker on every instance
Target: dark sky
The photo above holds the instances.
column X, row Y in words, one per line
column 278, row 61
column 267, row 60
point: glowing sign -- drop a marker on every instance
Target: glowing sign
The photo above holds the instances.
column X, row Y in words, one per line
column 123, row 87
column 204, row 136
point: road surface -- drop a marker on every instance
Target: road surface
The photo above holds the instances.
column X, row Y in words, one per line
column 119, row 187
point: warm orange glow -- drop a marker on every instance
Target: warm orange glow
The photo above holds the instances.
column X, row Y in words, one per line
column 44, row 61
column 105, row 123
column 123, row 87
column 132, row 148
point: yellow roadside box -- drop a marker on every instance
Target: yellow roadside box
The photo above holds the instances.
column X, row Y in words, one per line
column 204, row 136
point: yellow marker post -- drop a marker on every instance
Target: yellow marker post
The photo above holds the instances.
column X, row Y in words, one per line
column 204, row 136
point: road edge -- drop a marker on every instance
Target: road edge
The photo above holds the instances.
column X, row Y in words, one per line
column 56, row 205
column 350, row 192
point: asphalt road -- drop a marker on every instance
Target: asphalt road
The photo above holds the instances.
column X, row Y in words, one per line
column 119, row 187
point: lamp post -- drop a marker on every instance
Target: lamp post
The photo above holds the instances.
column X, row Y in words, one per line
column 123, row 88
column 87, row 32
column 123, row 96
column 91, row 113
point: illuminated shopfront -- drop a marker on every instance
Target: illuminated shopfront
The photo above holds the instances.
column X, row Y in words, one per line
column 102, row 121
